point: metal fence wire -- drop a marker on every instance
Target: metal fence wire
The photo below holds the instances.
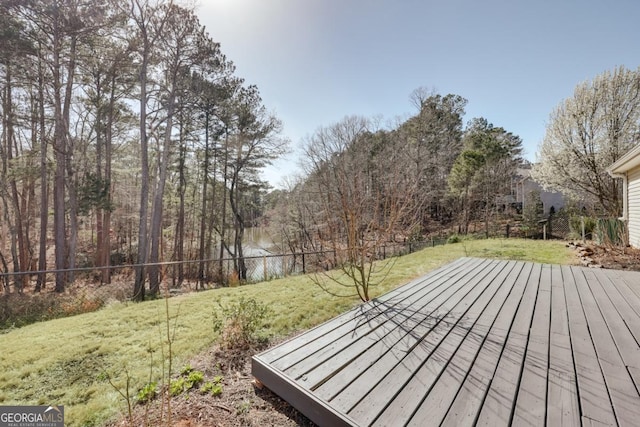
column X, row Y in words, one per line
column 20, row 304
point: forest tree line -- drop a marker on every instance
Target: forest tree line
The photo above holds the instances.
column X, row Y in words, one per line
column 365, row 186
column 127, row 137
column 123, row 123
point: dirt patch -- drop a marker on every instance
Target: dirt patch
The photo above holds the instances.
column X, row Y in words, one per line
column 617, row 258
column 242, row 402
column 613, row 257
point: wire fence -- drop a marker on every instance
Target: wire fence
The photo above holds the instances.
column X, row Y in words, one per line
column 20, row 304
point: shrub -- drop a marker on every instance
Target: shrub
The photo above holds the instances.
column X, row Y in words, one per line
column 610, row 232
column 454, row 238
column 575, row 224
column 239, row 323
column 18, row 310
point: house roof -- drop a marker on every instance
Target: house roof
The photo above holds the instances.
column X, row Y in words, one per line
column 625, row 163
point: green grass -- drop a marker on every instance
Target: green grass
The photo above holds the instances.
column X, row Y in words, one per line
column 64, row 361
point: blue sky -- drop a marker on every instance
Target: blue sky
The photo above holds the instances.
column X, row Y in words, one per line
column 316, row 61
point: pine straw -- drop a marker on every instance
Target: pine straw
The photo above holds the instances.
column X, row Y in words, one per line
column 242, row 402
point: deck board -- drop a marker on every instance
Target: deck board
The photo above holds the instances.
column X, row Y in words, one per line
column 563, row 408
column 384, row 355
column 475, row 342
column 468, row 402
column 531, row 398
column 371, row 390
column 437, row 403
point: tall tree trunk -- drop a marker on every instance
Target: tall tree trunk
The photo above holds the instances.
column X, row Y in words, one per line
column 73, row 215
column 68, row 152
column 179, row 236
column 156, row 215
column 59, row 147
column 19, row 251
column 106, row 221
column 223, row 215
column 211, row 226
column 100, row 137
column 239, row 227
column 203, row 214
column 44, row 183
column 138, row 287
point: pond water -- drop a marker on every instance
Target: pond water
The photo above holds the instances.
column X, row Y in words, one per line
column 258, row 242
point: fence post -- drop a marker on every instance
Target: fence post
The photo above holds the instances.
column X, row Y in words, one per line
column 544, row 231
column 582, row 229
column 304, row 270
column 264, row 268
column 284, row 265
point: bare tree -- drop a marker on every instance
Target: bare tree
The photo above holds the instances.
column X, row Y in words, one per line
column 432, row 141
column 364, row 199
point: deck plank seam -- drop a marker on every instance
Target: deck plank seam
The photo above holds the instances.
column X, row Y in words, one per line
column 353, row 343
column 487, row 334
column 462, row 316
column 462, row 288
column 353, row 315
column 504, row 347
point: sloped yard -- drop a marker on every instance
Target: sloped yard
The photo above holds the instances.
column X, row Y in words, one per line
column 69, row 361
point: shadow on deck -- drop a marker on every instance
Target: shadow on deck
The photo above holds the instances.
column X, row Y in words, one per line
column 476, row 342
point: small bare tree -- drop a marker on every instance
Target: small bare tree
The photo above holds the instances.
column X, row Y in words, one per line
column 363, row 200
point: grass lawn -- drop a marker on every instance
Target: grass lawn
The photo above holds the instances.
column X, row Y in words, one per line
column 65, row 361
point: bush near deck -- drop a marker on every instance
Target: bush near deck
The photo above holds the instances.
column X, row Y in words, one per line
column 64, row 361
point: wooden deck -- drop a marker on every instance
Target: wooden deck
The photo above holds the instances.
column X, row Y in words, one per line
column 476, row 342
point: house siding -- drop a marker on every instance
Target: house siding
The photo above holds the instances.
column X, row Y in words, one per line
column 633, row 200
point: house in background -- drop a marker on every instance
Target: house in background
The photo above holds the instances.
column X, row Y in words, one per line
column 628, row 168
column 525, row 185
